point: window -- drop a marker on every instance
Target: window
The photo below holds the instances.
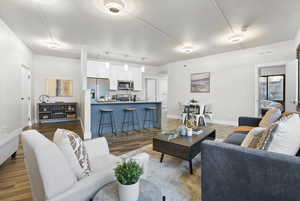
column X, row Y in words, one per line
column 272, row 88
column 275, row 88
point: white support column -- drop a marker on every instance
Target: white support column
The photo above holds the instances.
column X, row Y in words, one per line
column 83, row 64
column 85, row 105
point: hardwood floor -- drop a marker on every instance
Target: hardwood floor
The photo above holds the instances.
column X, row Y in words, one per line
column 14, row 184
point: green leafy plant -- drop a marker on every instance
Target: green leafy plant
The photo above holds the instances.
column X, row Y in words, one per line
column 128, row 171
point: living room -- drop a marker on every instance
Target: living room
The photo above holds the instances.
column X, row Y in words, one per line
column 175, row 88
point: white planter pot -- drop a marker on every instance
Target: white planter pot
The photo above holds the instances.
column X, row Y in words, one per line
column 129, row 192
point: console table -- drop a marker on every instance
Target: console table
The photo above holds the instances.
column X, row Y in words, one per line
column 57, row 112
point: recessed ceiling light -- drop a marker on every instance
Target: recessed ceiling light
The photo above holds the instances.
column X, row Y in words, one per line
column 236, row 38
column 114, row 7
column 54, row 45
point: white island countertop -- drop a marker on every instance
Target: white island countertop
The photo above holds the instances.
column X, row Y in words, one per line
column 124, row 102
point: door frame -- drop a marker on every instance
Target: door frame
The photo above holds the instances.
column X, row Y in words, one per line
column 256, row 82
column 29, row 98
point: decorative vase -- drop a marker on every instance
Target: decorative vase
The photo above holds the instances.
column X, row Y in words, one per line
column 182, row 130
column 129, row 192
column 189, row 132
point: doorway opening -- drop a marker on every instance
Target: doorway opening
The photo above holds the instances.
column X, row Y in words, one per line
column 25, row 97
column 271, row 88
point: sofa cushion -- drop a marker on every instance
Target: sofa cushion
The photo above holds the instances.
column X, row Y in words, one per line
column 286, row 138
column 270, row 117
column 252, row 138
column 104, row 162
column 243, row 129
column 74, row 150
column 235, row 138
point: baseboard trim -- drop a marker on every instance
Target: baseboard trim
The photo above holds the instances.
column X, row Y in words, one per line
column 223, row 122
column 172, row 116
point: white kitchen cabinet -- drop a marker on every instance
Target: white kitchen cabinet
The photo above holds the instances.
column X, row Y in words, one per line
column 97, row 69
column 137, row 78
column 115, row 73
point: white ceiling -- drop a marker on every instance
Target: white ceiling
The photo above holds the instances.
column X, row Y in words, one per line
column 153, row 28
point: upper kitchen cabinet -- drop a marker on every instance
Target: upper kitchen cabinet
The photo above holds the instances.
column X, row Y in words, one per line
column 97, row 69
column 115, row 72
column 137, row 78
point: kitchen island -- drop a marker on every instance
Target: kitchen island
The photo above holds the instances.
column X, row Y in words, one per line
column 118, row 112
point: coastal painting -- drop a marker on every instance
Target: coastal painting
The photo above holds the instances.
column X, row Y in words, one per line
column 200, row 82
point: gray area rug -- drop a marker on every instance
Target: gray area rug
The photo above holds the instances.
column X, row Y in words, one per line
column 172, row 176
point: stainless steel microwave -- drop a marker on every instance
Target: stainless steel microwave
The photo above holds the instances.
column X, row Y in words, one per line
column 125, row 85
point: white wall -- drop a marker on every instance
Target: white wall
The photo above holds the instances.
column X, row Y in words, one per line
column 13, row 54
column 297, row 39
column 232, row 80
column 45, row 67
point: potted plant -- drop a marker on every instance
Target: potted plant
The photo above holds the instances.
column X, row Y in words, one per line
column 128, row 173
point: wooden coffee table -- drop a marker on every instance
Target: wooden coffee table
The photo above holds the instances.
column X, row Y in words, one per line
column 182, row 147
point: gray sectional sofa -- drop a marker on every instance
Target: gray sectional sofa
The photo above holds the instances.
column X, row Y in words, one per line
column 234, row 173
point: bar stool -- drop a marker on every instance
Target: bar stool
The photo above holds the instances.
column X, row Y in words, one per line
column 150, row 111
column 128, row 118
column 108, row 124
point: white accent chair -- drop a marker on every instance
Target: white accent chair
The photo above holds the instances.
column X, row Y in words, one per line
column 9, row 144
column 200, row 115
column 51, row 177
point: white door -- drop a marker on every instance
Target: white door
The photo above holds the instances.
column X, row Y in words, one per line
column 291, row 86
column 25, row 97
column 151, row 89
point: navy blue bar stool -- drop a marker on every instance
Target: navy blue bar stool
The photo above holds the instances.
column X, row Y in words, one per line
column 108, row 122
column 129, row 118
column 150, row 116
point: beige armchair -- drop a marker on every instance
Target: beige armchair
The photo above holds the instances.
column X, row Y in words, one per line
column 51, row 177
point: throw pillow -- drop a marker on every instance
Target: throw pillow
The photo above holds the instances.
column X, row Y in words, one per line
column 286, row 138
column 270, row 117
column 252, row 138
column 266, row 136
column 74, row 150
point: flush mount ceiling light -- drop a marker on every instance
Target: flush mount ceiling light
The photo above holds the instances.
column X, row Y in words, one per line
column 236, row 38
column 114, row 7
column 187, row 49
column 53, row 45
